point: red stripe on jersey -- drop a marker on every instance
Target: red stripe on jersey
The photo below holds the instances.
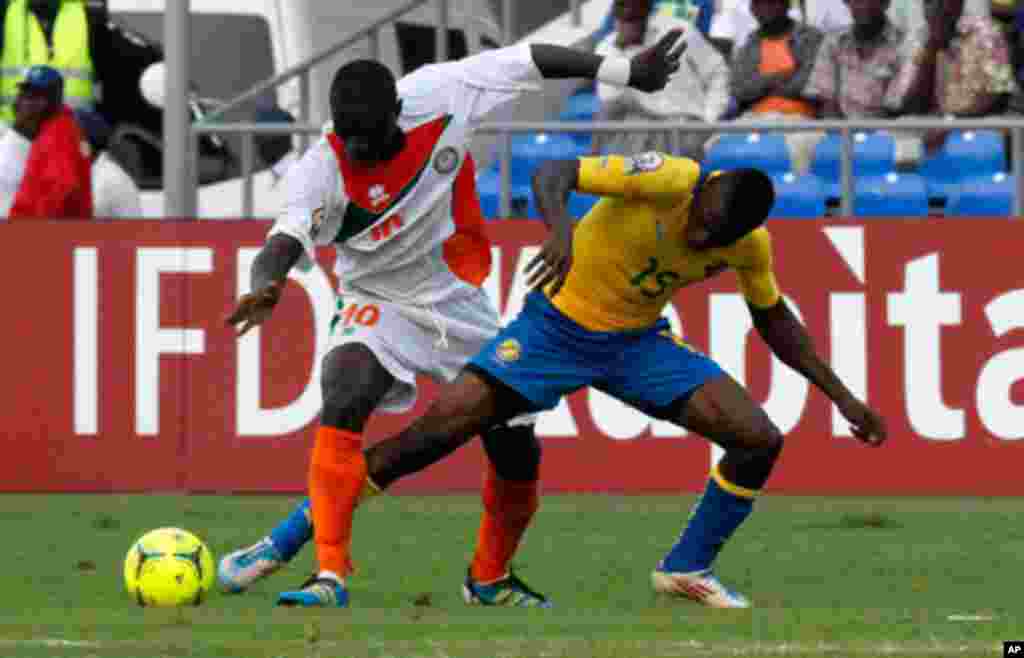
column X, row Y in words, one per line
column 388, row 180
column 468, row 251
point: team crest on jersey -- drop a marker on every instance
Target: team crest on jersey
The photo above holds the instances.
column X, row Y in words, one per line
column 378, row 195
column 446, row 160
column 645, row 162
column 509, row 350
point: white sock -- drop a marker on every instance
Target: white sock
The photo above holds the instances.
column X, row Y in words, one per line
column 330, row 575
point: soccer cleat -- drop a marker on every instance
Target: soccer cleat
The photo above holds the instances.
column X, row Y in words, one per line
column 238, row 570
column 700, row 586
column 509, row 591
column 316, row 592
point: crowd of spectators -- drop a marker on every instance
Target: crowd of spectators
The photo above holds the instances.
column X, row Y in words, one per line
column 827, row 59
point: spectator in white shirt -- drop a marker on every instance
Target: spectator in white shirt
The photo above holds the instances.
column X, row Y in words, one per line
column 699, row 92
column 114, row 193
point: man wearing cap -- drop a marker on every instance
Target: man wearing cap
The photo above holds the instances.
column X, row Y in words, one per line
column 44, row 165
column 101, row 63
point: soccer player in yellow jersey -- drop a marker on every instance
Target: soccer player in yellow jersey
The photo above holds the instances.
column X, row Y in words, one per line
column 595, row 320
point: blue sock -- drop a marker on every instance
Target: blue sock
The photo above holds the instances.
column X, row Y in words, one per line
column 716, row 516
column 292, row 534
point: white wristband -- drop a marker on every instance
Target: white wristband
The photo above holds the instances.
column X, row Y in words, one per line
column 614, row 71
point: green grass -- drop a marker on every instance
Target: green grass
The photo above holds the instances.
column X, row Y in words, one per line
column 830, row 577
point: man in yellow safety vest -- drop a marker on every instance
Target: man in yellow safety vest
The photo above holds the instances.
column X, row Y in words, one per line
column 101, row 63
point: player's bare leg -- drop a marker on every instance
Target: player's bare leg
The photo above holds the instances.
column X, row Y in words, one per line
column 474, row 405
column 722, row 411
column 353, row 383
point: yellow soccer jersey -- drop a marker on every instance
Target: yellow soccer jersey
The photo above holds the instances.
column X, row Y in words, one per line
column 629, row 253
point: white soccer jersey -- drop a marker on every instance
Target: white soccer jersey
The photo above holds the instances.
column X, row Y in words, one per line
column 410, row 230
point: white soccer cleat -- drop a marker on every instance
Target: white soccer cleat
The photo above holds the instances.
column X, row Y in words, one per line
column 239, row 570
column 700, row 586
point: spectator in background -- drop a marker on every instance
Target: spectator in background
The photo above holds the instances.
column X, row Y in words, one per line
column 865, row 71
column 963, row 67
column 114, row 193
column 44, row 156
column 100, row 62
column 698, row 92
column 735, row 22
column 770, row 74
column 697, row 12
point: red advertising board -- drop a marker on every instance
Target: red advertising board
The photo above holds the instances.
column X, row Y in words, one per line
column 121, row 375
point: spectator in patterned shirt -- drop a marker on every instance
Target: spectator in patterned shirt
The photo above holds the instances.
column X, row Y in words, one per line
column 963, row 67
column 866, row 71
column 770, row 74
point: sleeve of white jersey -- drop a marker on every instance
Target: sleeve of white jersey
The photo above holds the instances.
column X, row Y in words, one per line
column 475, row 86
column 307, row 185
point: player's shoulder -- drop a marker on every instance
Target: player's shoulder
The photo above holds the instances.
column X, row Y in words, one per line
column 313, row 171
column 754, row 250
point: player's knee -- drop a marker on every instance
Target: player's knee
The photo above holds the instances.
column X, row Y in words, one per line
column 352, row 385
column 766, row 442
column 514, row 452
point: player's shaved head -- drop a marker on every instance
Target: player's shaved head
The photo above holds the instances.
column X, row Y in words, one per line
column 365, row 109
column 731, row 205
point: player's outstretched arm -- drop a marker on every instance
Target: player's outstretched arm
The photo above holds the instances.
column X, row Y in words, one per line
column 268, row 275
column 647, row 71
column 552, row 183
column 788, row 339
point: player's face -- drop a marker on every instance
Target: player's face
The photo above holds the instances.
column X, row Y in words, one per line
column 707, row 216
column 368, row 133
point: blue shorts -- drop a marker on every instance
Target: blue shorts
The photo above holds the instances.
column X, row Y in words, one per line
column 544, row 355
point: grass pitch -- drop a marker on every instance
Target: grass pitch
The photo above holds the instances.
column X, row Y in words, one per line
column 829, row 576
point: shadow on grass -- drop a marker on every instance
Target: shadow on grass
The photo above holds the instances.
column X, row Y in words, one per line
column 870, row 521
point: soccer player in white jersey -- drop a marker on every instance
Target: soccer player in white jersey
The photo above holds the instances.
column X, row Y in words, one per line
column 392, row 189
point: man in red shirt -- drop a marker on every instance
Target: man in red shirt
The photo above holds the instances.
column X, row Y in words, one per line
column 57, row 181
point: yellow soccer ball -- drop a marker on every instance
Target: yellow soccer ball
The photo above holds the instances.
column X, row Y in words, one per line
column 168, row 567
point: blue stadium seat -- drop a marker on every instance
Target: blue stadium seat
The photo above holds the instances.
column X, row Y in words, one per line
column 580, row 204
column 798, row 197
column 986, row 196
column 763, row 151
column 581, row 106
column 874, row 154
column 966, row 154
column 488, row 185
column 529, row 150
column 891, row 195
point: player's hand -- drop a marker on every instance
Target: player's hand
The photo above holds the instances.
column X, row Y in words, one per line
column 255, row 307
column 651, row 69
column 866, row 425
column 552, row 264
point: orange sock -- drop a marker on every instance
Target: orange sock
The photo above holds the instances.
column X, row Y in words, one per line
column 508, row 507
column 337, row 479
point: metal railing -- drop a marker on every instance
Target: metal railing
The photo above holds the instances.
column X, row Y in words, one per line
column 181, row 182
column 846, row 130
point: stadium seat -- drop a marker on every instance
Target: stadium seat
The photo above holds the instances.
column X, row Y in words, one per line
column 580, row 204
column 798, row 197
column 874, row 154
column 529, row 150
column 891, row 195
column 581, row 106
column 966, row 154
column 488, row 185
column 763, row 151
column 984, row 196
